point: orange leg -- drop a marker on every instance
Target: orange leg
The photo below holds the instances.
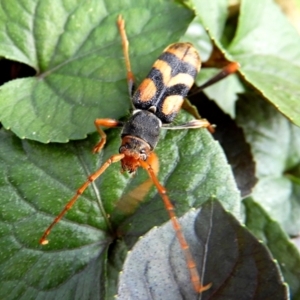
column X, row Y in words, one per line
column 195, row 278
column 226, row 71
column 107, row 123
column 128, row 203
column 125, row 46
column 202, row 123
column 91, row 178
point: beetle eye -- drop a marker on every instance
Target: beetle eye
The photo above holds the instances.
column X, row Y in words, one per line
column 143, row 154
column 122, row 149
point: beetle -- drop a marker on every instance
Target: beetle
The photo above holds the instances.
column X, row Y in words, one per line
column 156, row 103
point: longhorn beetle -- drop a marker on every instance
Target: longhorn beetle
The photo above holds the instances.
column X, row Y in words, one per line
column 156, row 103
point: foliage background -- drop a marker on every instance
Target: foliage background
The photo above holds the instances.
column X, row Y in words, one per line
column 75, row 52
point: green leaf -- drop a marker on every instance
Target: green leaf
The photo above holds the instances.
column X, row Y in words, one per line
column 228, row 88
column 76, row 51
column 232, row 140
column 227, row 256
column 212, row 15
column 275, row 146
column 283, row 250
column 37, row 180
column 197, row 35
column 268, row 49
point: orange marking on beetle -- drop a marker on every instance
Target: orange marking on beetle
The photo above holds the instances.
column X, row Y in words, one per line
column 165, row 70
column 181, row 78
column 172, row 104
column 185, row 52
column 168, row 80
column 147, row 90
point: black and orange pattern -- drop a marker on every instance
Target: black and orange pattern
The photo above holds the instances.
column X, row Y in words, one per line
column 157, row 101
column 168, row 82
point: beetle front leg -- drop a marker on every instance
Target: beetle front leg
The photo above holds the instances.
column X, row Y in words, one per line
column 110, row 123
